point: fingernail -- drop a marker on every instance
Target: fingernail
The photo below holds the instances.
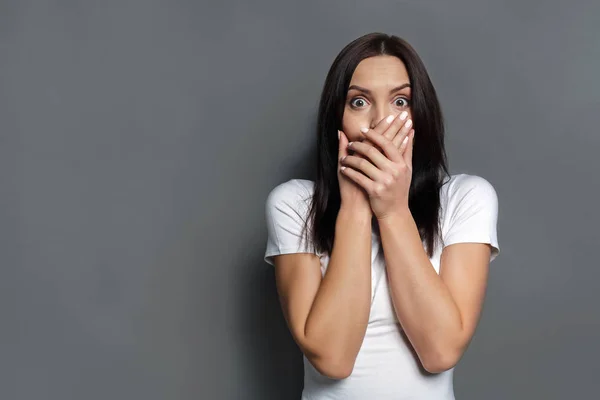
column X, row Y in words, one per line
column 389, row 119
column 404, row 141
column 408, row 123
column 339, row 135
column 403, row 115
column 364, row 130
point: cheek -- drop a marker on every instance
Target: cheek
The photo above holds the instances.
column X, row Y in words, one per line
column 351, row 125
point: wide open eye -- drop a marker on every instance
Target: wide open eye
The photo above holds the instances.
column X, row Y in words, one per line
column 358, row 102
column 402, row 102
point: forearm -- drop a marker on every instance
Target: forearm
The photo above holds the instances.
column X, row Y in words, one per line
column 423, row 303
column 340, row 312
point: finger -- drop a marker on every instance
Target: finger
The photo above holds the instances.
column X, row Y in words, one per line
column 376, row 162
column 388, row 147
column 366, row 141
column 403, row 132
column 408, row 153
column 403, row 144
column 359, row 178
column 381, row 126
column 396, row 126
column 342, row 147
column 366, row 167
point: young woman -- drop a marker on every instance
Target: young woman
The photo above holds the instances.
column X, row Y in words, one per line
column 381, row 264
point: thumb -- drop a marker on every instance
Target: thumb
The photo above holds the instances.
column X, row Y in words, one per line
column 342, row 145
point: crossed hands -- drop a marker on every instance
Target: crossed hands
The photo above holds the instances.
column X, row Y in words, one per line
column 385, row 177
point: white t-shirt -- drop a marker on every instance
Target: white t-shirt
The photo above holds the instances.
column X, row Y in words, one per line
column 386, row 366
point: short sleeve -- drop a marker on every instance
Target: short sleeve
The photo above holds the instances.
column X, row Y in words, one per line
column 286, row 210
column 472, row 213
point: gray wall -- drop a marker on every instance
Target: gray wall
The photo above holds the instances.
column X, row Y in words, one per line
column 139, row 140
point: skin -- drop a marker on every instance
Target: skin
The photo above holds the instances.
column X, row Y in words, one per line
column 438, row 312
column 380, row 75
column 328, row 315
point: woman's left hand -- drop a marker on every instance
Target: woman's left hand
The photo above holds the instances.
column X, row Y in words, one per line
column 385, row 178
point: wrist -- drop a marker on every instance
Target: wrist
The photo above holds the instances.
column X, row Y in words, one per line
column 393, row 218
column 357, row 210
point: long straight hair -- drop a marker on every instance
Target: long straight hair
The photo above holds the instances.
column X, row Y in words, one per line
column 429, row 156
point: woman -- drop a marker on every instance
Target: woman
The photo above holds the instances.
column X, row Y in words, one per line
column 381, row 264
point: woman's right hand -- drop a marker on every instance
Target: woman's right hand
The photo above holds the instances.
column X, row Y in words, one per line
column 352, row 195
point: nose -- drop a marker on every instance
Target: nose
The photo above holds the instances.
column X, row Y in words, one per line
column 378, row 113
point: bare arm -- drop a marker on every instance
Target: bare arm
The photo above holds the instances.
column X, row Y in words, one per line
column 328, row 317
column 439, row 313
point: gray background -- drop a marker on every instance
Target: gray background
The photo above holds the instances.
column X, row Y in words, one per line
column 140, row 139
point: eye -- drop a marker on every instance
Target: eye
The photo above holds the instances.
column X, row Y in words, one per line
column 358, row 102
column 402, row 102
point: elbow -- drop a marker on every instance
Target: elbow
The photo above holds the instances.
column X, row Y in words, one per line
column 332, row 367
column 437, row 367
column 334, row 372
column 441, row 361
column 331, row 359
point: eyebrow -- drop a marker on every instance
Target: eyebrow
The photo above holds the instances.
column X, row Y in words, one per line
column 367, row 91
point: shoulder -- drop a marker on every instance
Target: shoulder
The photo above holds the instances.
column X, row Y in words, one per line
column 462, row 186
column 291, row 190
column 291, row 197
column 470, row 211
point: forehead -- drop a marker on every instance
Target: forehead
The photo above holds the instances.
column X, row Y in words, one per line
column 380, row 71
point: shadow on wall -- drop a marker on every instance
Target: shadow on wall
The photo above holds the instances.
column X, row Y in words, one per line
column 272, row 358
